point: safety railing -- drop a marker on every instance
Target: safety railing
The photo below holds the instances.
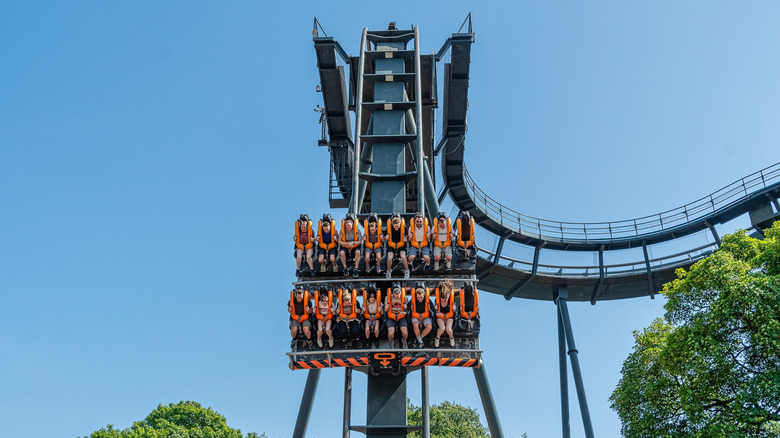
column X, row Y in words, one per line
column 666, row 262
column 625, row 230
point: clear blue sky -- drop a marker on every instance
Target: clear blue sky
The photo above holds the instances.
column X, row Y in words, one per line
column 154, row 154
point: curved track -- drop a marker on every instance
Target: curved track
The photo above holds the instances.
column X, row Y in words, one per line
column 756, row 194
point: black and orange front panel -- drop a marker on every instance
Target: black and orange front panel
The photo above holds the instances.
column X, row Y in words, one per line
column 408, row 361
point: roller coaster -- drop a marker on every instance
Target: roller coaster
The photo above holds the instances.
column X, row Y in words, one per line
column 387, row 164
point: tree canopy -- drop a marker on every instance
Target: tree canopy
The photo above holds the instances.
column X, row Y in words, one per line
column 186, row 419
column 711, row 366
column 448, row 420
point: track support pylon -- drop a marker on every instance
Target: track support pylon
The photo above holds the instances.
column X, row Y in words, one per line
column 565, row 331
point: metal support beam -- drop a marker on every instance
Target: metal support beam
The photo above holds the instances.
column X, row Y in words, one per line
column 509, row 295
column 563, row 294
column 307, row 401
column 595, row 294
column 441, row 196
column 650, row 282
column 430, row 191
column 488, row 405
column 499, row 248
column 354, row 207
column 426, row 414
column 565, row 425
column 418, row 105
column 713, row 231
column 386, row 404
column 347, row 402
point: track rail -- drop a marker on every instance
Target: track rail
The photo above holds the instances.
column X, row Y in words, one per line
column 632, row 277
column 720, row 206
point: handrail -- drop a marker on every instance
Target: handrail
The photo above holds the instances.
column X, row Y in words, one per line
column 623, row 230
column 691, row 254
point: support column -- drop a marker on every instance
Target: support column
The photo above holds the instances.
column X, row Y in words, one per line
column 426, row 414
column 347, row 402
column 565, row 425
column 386, row 404
column 307, row 401
column 563, row 294
column 488, row 405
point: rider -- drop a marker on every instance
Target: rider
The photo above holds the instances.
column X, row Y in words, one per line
column 445, row 311
column 372, row 313
column 347, row 317
column 324, row 313
column 304, row 243
column 299, row 307
column 395, row 309
column 421, row 310
column 442, row 240
column 327, row 239
column 372, row 241
column 418, row 237
column 350, row 240
column 396, row 243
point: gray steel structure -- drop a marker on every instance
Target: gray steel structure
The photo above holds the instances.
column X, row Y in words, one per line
column 388, row 166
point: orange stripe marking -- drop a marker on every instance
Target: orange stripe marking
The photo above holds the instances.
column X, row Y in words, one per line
column 353, row 362
column 303, row 365
column 340, row 362
column 469, row 362
column 456, row 362
column 431, row 362
column 405, row 360
column 443, row 361
column 418, row 361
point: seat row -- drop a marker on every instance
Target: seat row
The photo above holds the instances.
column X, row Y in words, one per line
column 396, row 243
column 364, row 317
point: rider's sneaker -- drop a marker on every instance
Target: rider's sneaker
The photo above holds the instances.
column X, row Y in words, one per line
column 406, row 273
column 436, row 342
column 346, row 272
column 452, row 342
column 330, row 342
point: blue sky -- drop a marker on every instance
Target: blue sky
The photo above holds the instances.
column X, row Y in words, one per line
column 154, row 155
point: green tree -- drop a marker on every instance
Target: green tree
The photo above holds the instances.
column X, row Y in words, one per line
column 711, row 366
column 186, row 419
column 448, row 420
